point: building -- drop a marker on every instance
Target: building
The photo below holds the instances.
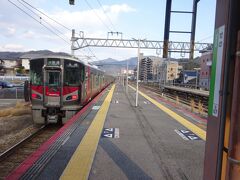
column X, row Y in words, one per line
column 205, row 72
column 169, row 71
column 148, row 68
column 25, row 63
column 9, row 66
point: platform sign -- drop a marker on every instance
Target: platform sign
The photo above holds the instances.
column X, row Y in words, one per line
column 187, row 135
column 110, row 133
column 216, row 71
column 115, row 101
column 96, row 107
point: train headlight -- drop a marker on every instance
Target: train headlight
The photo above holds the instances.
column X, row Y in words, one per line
column 72, row 97
column 36, row 96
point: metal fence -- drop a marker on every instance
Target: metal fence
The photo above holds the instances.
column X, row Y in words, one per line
column 12, row 78
column 12, row 93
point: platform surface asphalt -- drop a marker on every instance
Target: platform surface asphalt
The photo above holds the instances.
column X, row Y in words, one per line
column 116, row 140
column 148, row 146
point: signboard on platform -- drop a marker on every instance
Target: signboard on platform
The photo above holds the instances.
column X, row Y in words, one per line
column 187, row 135
column 110, row 133
column 96, row 107
column 115, row 101
column 216, row 73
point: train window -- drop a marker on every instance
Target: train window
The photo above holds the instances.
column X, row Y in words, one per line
column 36, row 75
column 54, row 78
column 73, row 72
column 96, row 79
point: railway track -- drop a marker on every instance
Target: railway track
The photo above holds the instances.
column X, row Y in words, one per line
column 14, row 156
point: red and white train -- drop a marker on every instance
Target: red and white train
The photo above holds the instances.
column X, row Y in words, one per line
column 60, row 86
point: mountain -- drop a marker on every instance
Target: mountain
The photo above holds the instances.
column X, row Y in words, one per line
column 114, row 67
column 114, row 62
column 105, row 61
column 29, row 54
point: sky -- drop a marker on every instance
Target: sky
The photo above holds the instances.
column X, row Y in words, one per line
column 135, row 19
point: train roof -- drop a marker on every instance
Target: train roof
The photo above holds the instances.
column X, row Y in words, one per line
column 68, row 58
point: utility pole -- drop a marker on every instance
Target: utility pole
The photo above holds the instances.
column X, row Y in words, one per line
column 127, row 79
column 73, row 40
column 193, row 29
column 167, row 28
column 138, row 72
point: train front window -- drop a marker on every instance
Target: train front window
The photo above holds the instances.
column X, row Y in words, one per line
column 73, row 72
column 54, row 78
column 36, row 74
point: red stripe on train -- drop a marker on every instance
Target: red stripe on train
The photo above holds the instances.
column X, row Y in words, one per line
column 66, row 90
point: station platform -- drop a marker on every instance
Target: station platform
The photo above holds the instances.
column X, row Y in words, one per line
column 111, row 138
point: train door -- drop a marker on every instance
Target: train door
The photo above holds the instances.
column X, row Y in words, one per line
column 52, row 88
column 88, row 83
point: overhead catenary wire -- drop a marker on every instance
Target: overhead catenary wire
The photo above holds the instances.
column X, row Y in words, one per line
column 89, row 5
column 208, row 37
column 46, row 15
column 43, row 19
column 38, row 21
column 100, row 4
column 90, row 50
column 55, row 22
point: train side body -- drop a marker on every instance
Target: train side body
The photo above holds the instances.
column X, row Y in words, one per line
column 61, row 86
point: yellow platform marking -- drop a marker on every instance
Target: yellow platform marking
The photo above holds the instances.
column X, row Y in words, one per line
column 80, row 164
column 198, row 131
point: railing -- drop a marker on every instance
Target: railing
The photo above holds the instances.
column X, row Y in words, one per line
column 12, row 78
column 12, row 93
column 194, row 105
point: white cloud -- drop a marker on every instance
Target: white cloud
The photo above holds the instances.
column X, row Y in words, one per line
column 29, row 34
column 23, row 33
column 94, row 18
column 11, row 31
column 12, row 47
column 8, row 30
column 118, row 8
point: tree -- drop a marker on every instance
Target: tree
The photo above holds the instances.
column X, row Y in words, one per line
column 20, row 70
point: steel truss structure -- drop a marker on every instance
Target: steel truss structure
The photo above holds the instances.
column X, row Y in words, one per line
column 178, row 47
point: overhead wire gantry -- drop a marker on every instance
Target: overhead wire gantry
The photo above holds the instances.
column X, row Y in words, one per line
column 176, row 47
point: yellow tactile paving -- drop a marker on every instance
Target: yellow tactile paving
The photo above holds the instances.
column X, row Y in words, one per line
column 80, row 164
column 198, row 131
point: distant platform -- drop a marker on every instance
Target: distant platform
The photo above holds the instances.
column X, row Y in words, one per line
column 193, row 91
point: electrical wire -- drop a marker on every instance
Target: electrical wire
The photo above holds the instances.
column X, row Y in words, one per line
column 208, row 37
column 38, row 21
column 46, row 15
column 89, row 5
column 100, row 4
column 42, row 19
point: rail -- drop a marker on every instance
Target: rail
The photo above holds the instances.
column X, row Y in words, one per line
column 9, row 151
